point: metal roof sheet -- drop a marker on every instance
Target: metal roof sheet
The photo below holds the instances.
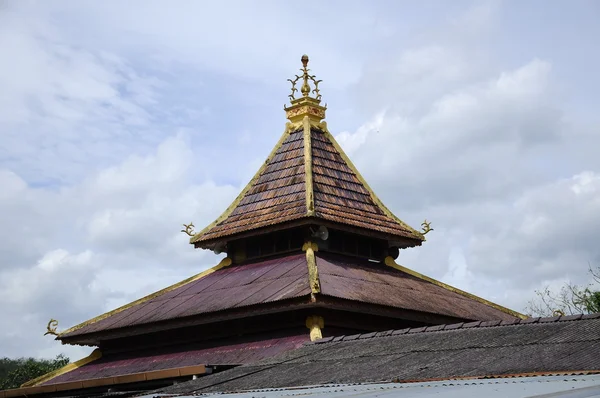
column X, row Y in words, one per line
column 226, row 288
column 583, row 386
column 361, row 280
column 473, row 350
column 234, row 351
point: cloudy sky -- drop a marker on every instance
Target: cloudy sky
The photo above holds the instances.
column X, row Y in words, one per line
column 119, row 121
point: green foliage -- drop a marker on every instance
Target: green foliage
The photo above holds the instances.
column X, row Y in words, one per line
column 571, row 299
column 14, row 372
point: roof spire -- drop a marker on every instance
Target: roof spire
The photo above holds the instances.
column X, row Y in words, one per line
column 306, row 105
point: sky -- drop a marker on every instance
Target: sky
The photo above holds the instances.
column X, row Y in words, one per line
column 120, row 121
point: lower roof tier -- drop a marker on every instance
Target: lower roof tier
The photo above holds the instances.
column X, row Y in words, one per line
column 234, row 351
column 246, row 287
column 566, row 345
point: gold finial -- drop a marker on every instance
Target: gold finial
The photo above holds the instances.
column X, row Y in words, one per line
column 426, row 227
column 188, row 229
column 51, row 327
column 309, row 103
column 306, row 78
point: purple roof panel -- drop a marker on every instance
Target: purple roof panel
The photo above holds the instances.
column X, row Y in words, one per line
column 278, row 289
column 362, row 280
column 226, row 288
column 230, row 352
column 167, row 310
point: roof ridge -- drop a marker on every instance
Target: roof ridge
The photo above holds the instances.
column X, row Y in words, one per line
column 457, row 326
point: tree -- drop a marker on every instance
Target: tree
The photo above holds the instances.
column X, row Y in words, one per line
column 14, row 372
column 571, row 299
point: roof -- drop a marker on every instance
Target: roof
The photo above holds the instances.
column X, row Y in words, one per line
column 240, row 286
column 307, row 177
column 234, row 351
column 566, row 344
column 222, row 287
column 361, row 280
column 581, row 386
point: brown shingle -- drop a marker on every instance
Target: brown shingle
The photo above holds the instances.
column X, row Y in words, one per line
column 278, row 194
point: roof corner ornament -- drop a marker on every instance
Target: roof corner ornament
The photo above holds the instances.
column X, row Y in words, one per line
column 558, row 313
column 51, row 327
column 426, row 227
column 188, row 229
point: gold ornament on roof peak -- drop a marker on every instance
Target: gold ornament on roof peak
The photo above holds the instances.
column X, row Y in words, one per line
column 306, row 77
column 309, row 104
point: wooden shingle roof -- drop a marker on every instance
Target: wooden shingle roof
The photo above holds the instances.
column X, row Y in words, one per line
column 306, row 178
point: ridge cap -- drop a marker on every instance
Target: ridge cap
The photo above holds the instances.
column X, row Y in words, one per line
column 457, row 326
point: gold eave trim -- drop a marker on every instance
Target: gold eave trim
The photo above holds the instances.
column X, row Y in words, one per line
column 96, row 354
column 224, row 263
column 389, row 261
column 289, row 127
column 105, row 381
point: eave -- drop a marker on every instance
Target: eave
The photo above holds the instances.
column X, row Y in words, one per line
column 130, row 379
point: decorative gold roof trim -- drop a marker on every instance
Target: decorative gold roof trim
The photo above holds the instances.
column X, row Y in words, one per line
column 224, row 263
column 289, row 127
column 310, row 203
column 106, row 381
column 323, row 126
column 389, row 261
column 313, row 272
column 315, row 323
column 96, row 354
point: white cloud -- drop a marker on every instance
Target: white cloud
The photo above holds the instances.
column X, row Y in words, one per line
column 128, row 218
column 121, row 121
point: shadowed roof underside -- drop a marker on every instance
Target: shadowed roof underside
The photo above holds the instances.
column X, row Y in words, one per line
column 306, row 176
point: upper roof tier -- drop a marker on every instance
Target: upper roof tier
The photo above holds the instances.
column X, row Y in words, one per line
column 306, row 179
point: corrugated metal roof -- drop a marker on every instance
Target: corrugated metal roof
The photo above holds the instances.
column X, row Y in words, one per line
column 227, row 288
column 557, row 345
column 234, row 351
column 364, row 281
column 585, row 386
